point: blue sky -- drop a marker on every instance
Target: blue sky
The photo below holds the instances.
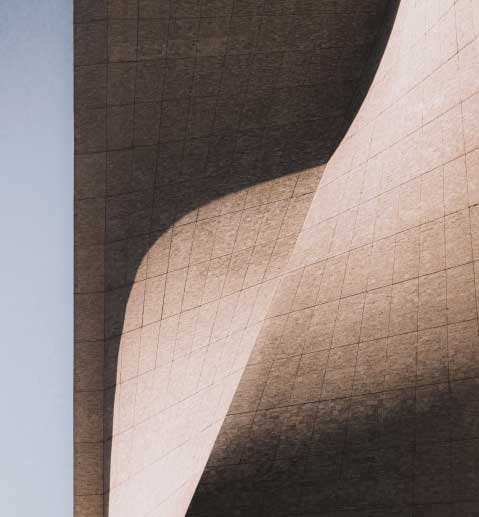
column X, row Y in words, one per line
column 36, row 258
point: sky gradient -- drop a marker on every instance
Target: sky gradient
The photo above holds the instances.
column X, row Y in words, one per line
column 36, row 257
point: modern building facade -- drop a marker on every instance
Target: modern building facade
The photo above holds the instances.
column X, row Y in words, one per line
column 277, row 230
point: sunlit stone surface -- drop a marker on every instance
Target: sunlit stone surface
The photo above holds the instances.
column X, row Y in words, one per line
column 329, row 313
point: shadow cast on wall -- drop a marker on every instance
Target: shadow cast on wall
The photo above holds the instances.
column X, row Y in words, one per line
column 368, row 456
column 182, row 111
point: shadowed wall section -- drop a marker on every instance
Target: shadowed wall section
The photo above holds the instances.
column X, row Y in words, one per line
column 360, row 397
column 204, row 248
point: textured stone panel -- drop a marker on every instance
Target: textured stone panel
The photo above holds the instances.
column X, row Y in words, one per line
column 332, row 315
column 390, row 234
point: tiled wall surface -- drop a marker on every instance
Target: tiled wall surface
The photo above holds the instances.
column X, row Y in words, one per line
column 361, row 394
column 339, row 319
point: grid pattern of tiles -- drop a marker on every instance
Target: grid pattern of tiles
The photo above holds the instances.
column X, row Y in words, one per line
column 201, row 127
column 360, row 397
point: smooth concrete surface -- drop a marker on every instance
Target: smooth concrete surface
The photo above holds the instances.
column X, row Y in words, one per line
column 334, row 324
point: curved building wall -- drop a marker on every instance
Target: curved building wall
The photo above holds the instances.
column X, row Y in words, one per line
column 360, row 396
column 347, row 340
